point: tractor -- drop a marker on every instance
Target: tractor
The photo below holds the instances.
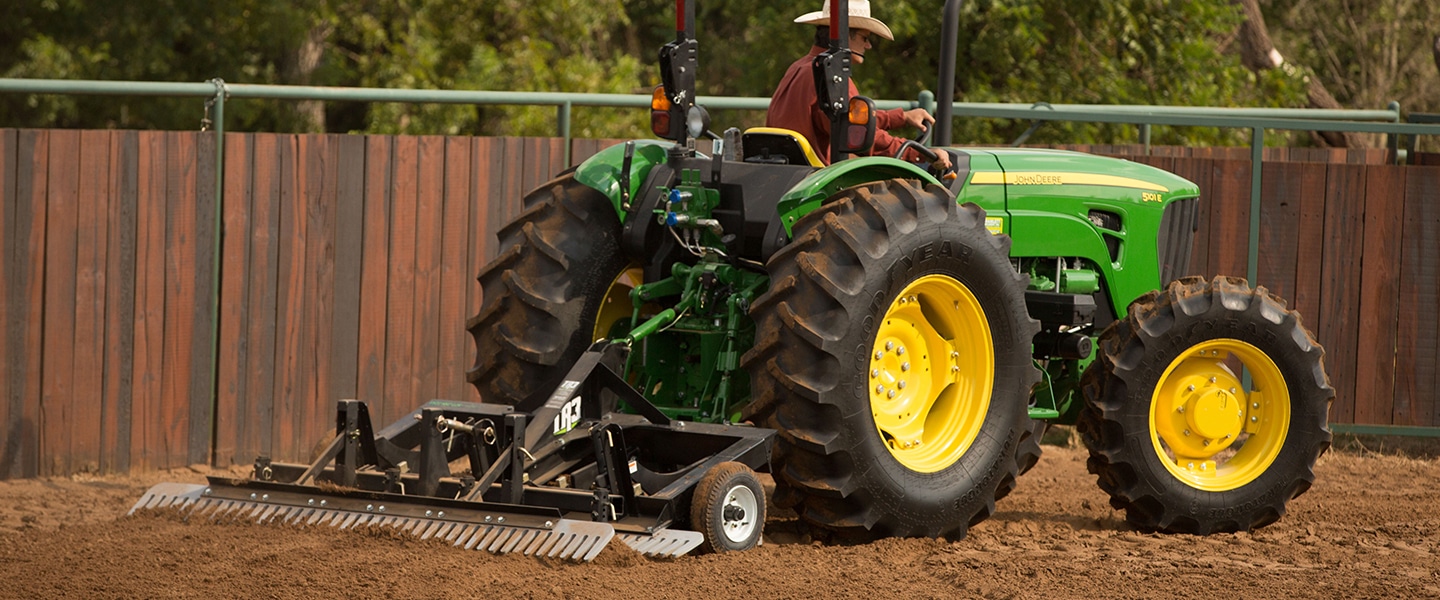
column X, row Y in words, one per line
column 888, row 342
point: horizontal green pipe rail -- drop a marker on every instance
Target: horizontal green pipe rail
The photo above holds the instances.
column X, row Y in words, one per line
column 1270, row 118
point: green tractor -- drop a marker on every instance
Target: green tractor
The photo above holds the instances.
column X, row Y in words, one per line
column 908, row 334
column 888, row 342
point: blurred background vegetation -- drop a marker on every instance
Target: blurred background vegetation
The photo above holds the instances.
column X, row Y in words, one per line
column 1366, row 53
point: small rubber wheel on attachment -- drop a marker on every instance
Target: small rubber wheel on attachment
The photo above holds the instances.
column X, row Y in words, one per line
column 728, row 508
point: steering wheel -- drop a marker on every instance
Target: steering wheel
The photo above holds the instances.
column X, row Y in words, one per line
column 918, row 143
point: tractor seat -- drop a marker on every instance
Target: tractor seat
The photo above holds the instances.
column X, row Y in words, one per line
column 773, row 145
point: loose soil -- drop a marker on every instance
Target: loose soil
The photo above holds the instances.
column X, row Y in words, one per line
column 1370, row 528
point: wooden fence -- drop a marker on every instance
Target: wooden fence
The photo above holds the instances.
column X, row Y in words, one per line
column 347, row 269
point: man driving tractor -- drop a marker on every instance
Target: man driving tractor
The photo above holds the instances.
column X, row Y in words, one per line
column 793, row 106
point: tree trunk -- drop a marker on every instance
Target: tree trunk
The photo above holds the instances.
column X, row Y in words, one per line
column 309, row 113
column 1258, row 53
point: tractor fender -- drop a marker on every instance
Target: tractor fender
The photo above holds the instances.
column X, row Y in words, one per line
column 812, row 191
column 603, row 170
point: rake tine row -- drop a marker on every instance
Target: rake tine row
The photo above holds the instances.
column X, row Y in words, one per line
column 566, row 540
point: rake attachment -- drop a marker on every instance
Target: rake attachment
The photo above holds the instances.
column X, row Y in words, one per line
column 561, row 482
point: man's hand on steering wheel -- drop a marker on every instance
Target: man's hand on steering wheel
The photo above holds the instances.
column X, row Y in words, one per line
column 939, row 159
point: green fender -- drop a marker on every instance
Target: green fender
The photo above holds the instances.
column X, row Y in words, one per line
column 812, row 191
column 602, row 171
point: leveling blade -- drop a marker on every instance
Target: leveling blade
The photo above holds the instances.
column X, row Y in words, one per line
column 470, row 528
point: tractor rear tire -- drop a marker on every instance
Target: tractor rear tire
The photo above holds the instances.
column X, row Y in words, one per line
column 1174, row 439
column 558, row 261
column 1027, row 453
column 892, row 284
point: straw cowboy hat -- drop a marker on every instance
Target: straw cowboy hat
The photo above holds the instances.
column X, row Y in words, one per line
column 860, row 18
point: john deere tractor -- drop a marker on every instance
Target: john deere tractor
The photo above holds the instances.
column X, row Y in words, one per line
column 909, row 333
column 888, row 341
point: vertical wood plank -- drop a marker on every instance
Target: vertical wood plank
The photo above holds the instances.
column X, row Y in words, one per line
column 1379, row 280
column 374, row 275
column 290, row 374
column 92, row 231
column 349, row 246
column 1279, row 228
column 201, row 396
column 429, row 226
column 263, row 298
column 1230, row 218
column 1417, row 343
column 181, row 298
column 482, row 186
column 57, row 398
column 119, row 303
column 24, row 259
column 314, row 416
column 455, row 347
column 231, row 415
column 1340, row 277
column 147, row 421
column 1310, row 246
column 9, row 377
column 400, row 320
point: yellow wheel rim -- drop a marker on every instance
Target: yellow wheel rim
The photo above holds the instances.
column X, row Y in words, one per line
column 931, row 373
column 616, row 305
column 1206, row 428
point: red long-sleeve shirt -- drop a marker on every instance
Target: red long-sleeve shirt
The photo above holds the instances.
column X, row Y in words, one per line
column 793, row 107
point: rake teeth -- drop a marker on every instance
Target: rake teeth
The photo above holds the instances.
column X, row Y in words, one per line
column 466, row 528
column 666, row 543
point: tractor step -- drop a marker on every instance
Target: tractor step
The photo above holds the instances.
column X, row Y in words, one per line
column 470, row 529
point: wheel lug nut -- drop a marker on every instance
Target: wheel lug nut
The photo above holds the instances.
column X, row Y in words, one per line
column 890, row 394
column 1187, row 432
column 1212, row 380
column 905, row 366
column 1233, row 390
column 900, row 351
column 901, row 384
column 879, row 355
column 1255, row 405
column 1180, row 409
column 954, row 369
column 1190, row 389
column 1254, row 419
column 879, row 389
column 874, row 373
column 889, row 345
column 954, row 355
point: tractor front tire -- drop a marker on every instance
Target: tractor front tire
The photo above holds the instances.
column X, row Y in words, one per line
column 1175, row 439
column 893, row 357
column 559, row 264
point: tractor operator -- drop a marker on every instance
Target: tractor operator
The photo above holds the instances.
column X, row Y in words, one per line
column 793, row 106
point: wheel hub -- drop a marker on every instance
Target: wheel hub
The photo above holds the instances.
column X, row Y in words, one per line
column 930, row 373
column 740, row 503
column 1210, row 431
column 1215, row 414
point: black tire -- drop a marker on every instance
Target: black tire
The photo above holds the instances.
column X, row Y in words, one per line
column 829, row 292
column 728, row 508
column 1027, row 453
column 1147, row 350
column 542, row 293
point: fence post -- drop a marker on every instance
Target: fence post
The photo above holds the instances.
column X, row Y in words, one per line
column 214, row 379
column 564, row 118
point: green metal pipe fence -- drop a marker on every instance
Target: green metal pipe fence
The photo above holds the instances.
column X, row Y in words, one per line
column 217, row 92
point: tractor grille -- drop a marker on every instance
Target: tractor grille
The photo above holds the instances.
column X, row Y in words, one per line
column 1177, row 236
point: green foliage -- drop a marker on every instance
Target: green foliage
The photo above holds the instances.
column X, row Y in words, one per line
column 1058, row 51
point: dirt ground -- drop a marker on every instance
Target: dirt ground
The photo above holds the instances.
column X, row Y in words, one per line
column 1370, row 528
